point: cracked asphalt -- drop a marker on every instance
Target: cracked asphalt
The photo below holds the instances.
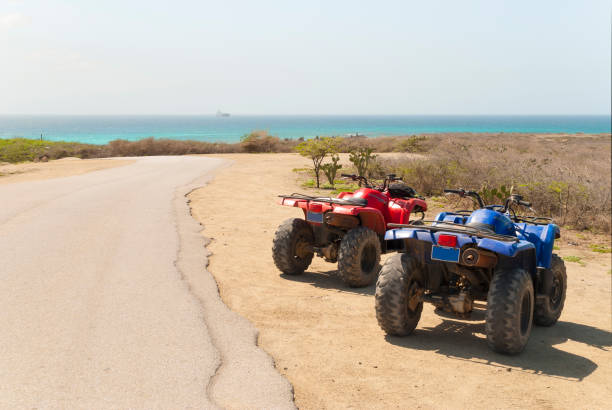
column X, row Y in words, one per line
column 106, row 303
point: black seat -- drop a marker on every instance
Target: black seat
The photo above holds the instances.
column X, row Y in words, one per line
column 401, row 191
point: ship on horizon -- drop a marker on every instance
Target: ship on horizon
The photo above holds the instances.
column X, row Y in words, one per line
column 222, row 114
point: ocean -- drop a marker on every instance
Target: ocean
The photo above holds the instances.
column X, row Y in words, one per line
column 102, row 129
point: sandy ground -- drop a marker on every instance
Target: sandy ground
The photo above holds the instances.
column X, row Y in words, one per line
column 324, row 336
column 106, row 302
column 31, row 171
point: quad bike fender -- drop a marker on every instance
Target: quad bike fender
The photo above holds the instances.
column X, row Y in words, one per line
column 293, row 202
column 451, row 217
column 296, row 203
column 374, row 220
column 369, row 217
column 509, row 249
column 314, row 206
column 416, row 202
column 401, row 209
column 543, row 239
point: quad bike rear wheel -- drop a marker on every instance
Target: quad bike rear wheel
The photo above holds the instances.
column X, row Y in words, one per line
column 359, row 257
column 398, row 298
column 292, row 249
column 510, row 305
column 548, row 309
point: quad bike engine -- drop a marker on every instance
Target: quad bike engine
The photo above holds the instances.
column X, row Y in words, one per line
column 460, row 303
column 329, row 252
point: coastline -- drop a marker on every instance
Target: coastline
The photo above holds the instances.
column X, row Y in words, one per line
column 101, row 129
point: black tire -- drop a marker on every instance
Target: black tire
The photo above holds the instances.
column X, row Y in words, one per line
column 548, row 309
column 400, row 279
column 510, row 306
column 359, row 257
column 292, row 247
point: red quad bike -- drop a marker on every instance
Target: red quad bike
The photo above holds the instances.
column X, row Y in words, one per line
column 348, row 229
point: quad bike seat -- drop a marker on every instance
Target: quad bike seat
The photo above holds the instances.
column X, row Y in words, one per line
column 401, row 191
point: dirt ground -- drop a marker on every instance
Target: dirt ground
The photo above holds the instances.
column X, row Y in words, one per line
column 325, row 338
column 29, row 171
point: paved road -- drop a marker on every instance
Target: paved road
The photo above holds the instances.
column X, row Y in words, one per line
column 105, row 301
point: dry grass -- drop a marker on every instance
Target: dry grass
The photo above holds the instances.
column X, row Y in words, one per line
column 567, row 178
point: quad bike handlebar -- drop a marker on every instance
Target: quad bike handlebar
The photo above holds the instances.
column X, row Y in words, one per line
column 463, row 193
column 513, row 199
column 389, row 178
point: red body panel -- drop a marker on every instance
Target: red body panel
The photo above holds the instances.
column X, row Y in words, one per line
column 380, row 210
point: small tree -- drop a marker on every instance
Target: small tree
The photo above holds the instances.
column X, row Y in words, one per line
column 331, row 169
column 362, row 157
column 316, row 149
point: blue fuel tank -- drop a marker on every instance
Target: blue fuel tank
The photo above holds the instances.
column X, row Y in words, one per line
column 498, row 222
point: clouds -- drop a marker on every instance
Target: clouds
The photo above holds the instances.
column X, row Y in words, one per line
column 13, row 20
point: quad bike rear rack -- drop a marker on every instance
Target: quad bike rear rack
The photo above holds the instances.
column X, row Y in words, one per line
column 455, row 228
column 339, row 201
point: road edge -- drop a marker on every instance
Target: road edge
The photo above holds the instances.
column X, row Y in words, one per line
column 246, row 376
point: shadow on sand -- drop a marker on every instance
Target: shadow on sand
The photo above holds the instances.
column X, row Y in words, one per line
column 458, row 340
column 463, row 339
column 328, row 280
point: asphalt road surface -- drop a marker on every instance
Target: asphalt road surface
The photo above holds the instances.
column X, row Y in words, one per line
column 105, row 301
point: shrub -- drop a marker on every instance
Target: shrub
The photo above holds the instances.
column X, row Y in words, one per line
column 361, row 158
column 415, row 143
column 317, row 149
column 331, row 169
column 259, row 141
column 23, row 149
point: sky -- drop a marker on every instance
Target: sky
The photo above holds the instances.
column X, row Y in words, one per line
column 309, row 57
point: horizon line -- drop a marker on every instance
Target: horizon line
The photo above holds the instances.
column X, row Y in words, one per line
column 305, row 115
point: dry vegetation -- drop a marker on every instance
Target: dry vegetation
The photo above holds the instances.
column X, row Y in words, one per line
column 565, row 176
column 21, row 149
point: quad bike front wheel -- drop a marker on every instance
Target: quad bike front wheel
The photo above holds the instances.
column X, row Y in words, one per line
column 292, row 249
column 548, row 309
column 398, row 298
column 359, row 257
column 510, row 306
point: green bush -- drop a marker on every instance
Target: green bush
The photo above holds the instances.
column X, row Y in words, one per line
column 361, row 158
column 23, row 149
column 331, row 169
column 316, row 150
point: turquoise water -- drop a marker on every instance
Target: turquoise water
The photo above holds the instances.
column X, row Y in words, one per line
column 102, row 129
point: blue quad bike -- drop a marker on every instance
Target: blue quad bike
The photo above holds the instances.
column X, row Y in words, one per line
column 490, row 254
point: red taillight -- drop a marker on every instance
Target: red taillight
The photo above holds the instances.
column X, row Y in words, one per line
column 314, row 207
column 449, row 241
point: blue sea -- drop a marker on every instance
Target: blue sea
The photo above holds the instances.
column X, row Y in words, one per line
column 102, row 129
